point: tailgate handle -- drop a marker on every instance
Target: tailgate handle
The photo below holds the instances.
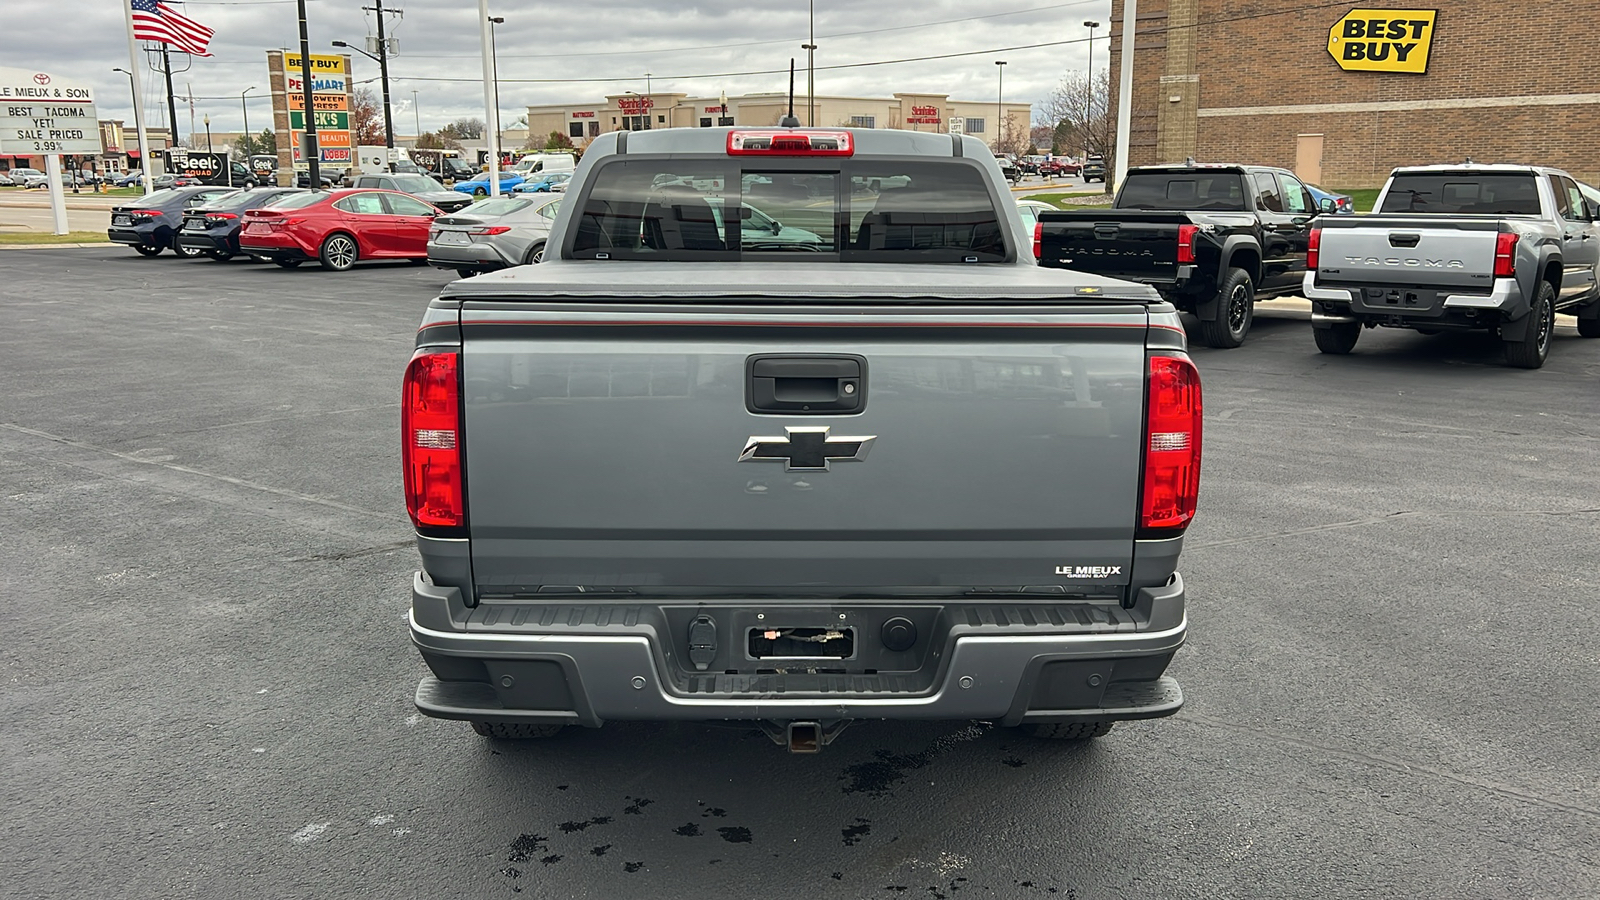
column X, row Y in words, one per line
column 1106, row 232
column 806, row 385
column 1404, row 239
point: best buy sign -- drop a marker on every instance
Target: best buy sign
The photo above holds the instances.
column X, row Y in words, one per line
column 1383, row 40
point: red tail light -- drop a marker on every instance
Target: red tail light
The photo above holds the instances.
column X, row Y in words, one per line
column 784, row 142
column 1186, row 235
column 1038, row 240
column 490, row 229
column 430, row 448
column 219, row 218
column 1314, row 250
column 146, row 213
column 1172, row 448
column 1505, row 255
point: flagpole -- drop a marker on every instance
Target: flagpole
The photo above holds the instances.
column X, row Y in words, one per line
column 138, row 99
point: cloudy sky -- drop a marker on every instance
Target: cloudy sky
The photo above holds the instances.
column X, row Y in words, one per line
column 545, row 49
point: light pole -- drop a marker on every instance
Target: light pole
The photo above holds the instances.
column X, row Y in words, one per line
column 810, row 46
column 723, row 100
column 244, row 108
column 494, row 60
column 1088, row 103
column 491, row 93
column 312, row 152
column 999, row 106
column 417, row 113
column 138, row 123
column 383, row 68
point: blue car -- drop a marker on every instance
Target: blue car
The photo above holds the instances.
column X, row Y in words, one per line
column 128, row 180
column 479, row 186
column 1343, row 205
column 543, row 184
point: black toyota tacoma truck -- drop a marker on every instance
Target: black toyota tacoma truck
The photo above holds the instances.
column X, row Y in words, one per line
column 1212, row 239
column 640, row 477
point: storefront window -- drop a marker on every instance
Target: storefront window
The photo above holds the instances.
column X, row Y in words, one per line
column 863, row 121
column 575, row 129
column 975, row 124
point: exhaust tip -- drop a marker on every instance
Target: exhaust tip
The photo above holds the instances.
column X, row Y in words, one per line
column 804, row 737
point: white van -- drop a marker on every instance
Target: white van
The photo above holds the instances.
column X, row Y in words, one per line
column 544, row 162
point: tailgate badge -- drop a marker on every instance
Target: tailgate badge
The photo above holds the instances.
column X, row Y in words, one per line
column 806, row 448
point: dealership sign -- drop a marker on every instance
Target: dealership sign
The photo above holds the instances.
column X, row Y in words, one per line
column 1383, row 40
column 44, row 114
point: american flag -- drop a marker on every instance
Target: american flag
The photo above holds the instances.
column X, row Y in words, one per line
column 156, row 21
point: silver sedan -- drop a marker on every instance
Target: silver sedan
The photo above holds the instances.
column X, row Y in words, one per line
column 493, row 234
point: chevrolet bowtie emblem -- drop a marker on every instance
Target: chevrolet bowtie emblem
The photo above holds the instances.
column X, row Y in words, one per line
column 806, row 448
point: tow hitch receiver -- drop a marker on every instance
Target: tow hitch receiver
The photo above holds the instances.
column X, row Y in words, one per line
column 804, row 737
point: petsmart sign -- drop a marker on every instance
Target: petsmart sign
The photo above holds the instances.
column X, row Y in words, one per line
column 1383, row 40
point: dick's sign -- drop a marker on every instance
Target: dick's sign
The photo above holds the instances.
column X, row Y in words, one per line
column 1383, row 40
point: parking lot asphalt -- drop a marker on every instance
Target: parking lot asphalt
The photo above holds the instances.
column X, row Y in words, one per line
column 1391, row 675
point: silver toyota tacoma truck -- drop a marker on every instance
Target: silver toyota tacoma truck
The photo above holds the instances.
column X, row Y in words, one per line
column 681, row 472
column 1494, row 247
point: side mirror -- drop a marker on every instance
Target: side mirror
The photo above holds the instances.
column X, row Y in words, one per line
column 1326, row 204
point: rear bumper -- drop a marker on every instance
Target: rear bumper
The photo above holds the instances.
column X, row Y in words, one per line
column 274, row 246
column 466, row 256
column 147, row 235
column 590, row 675
column 206, row 240
column 1383, row 302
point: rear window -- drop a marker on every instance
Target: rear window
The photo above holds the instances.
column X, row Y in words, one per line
column 1463, row 193
column 1201, row 190
column 851, row 210
column 298, row 201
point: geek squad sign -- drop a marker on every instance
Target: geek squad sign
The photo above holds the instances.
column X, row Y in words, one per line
column 1383, row 40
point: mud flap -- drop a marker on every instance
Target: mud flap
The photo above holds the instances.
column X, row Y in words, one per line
column 1515, row 329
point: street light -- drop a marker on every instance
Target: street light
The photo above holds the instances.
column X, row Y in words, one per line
column 999, row 105
column 382, row 59
column 144, row 167
column 417, row 113
column 244, row 108
column 810, row 47
column 494, row 62
column 1088, row 105
column 723, row 100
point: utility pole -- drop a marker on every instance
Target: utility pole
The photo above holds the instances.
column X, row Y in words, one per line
column 188, row 94
column 383, row 73
column 172, row 106
column 310, row 151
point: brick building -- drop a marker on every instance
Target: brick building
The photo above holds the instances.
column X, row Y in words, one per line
column 1276, row 82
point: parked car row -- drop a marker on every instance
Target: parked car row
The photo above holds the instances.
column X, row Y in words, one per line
column 1449, row 248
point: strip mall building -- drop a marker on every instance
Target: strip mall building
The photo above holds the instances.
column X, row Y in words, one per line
column 913, row 112
column 1343, row 93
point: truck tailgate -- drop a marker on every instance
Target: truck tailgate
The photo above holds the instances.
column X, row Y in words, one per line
column 1409, row 250
column 604, row 446
column 1130, row 244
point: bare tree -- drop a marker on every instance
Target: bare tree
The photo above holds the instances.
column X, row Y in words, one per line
column 1015, row 137
column 1085, row 107
column 366, row 118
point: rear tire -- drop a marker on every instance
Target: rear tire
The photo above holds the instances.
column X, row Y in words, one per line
column 1070, row 731
column 515, row 731
column 183, row 252
column 1534, row 348
column 1236, row 300
column 535, row 255
column 1339, row 339
column 1589, row 328
column 220, row 255
column 339, row 252
column 147, row 250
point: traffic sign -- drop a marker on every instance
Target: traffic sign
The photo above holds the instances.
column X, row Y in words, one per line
column 42, row 113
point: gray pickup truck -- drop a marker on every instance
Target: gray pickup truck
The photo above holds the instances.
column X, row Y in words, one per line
column 1494, row 247
column 898, row 473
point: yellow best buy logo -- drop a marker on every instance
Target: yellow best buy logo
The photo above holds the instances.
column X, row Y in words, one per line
column 1383, row 40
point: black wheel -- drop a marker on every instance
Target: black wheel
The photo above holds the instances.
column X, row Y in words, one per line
column 339, row 252
column 289, row 263
column 535, row 255
column 1430, row 332
column 515, row 731
column 220, row 255
column 1589, row 328
column 1534, row 348
column 1070, row 731
column 183, row 252
column 1339, row 339
column 1236, row 300
column 146, row 249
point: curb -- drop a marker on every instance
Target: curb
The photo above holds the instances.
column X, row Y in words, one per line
column 55, row 246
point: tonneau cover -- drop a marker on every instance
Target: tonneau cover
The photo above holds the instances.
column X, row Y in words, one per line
column 783, row 282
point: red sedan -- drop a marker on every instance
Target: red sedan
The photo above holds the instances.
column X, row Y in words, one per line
column 338, row 228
